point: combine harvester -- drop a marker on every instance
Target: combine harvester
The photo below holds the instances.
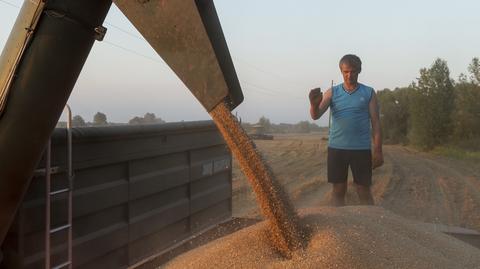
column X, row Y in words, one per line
column 39, row 66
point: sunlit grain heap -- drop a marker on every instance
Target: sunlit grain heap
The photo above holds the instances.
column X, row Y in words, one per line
column 342, row 238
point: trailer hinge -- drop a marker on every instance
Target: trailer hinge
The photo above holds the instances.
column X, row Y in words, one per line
column 100, row 32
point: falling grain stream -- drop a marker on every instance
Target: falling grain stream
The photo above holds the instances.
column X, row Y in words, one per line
column 285, row 231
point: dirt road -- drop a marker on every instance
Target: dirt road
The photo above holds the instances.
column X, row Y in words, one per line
column 413, row 184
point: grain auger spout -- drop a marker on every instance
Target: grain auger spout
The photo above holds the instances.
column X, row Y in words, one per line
column 188, row 36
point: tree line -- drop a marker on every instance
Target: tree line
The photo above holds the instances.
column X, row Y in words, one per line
column 100, row 119
column 434, row 110
column 268, row 127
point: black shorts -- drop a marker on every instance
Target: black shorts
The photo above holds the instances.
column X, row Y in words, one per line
column 360, row 162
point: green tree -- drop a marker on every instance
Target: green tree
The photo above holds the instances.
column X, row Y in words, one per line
column 467, row 107
column 100, row 119
column 265, row 123
column 136, row 120
column 466, row 117
column 314, row 127
column 474, row 69
column 431, row 106
column 303, row 127
column 151, row 118
column 394, row 114
column 148, row 118
column 78, row 121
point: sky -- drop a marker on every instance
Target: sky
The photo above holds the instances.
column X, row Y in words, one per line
column 281, row 49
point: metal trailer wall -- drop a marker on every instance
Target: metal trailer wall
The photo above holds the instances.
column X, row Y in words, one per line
column 137, row 191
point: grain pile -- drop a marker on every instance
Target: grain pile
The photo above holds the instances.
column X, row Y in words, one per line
column 348, row 237
column 284, row 230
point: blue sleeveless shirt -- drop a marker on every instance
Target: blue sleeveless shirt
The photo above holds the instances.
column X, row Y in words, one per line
column 350, row 122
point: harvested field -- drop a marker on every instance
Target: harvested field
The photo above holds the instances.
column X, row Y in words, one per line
column 412, row 184
column 347, row 237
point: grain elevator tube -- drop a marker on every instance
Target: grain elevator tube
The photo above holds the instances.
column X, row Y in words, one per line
column 39, row 89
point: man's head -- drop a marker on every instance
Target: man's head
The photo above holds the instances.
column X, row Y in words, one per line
column 350, row 66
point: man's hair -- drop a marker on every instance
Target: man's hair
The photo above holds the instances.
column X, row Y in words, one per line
column 352, row 61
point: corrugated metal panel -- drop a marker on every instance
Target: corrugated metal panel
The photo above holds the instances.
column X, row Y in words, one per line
column 152, row 175
column 115, row 259
column 211, row 215
column 137, row 191
column 154, row 243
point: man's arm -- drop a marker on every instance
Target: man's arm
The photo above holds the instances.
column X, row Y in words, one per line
column 377, row 159
column 320, row 105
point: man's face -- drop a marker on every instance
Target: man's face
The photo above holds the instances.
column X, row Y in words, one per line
column 350, row 74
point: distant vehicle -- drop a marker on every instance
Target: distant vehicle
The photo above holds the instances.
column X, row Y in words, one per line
column 261, row 136
column 258, row 133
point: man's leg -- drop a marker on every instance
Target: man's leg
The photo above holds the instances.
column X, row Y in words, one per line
column 361, row 164
column 338, row 194
column 365, row 195
column 337, row 163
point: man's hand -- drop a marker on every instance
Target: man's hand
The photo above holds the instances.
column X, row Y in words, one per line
column 315, row 97
column 377, row 159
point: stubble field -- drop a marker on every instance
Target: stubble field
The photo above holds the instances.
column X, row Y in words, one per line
column 413, row 184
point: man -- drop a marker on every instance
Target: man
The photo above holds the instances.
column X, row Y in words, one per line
column 353, row 109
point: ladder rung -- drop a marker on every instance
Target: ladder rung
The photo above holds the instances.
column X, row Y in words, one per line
column 60, row 228
column 53, row 170
column 62, row 265
column 59, row 191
